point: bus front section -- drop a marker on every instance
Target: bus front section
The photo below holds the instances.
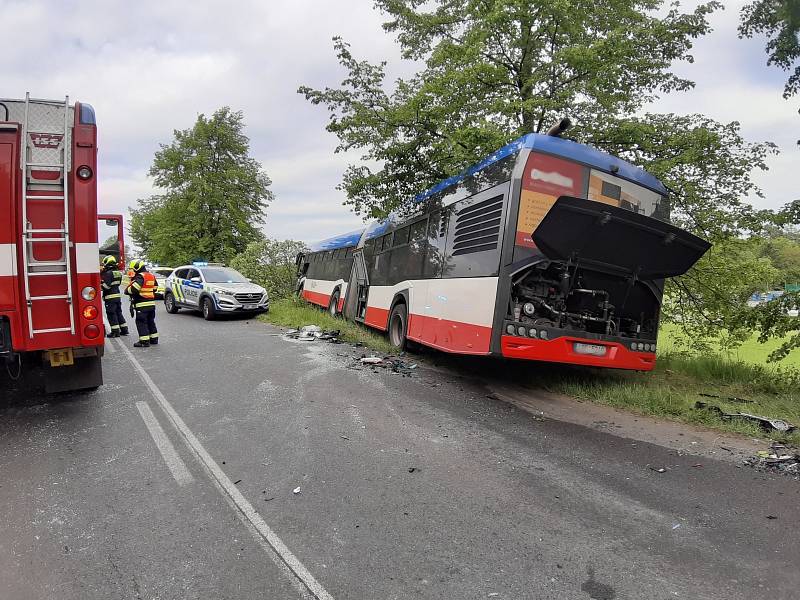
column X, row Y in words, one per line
column 587, row 264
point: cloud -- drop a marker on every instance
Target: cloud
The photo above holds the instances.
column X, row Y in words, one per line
column 150, row 67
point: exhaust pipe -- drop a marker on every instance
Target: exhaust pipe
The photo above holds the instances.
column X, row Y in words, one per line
column 559, row 128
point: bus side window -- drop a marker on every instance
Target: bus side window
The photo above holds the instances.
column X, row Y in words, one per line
column 434, row 250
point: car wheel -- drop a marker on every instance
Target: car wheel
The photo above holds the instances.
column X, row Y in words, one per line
column 333, row 306
column 398, row 326
column 207, row 306
column 170, row 304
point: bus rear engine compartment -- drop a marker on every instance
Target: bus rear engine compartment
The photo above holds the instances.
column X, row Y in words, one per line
column 556, row 295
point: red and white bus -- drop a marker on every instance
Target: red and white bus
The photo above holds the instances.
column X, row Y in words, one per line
column 50, row 306
column 546, row 250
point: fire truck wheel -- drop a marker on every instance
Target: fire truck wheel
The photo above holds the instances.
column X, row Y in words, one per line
column 170, row 304
column 398, row 326
column 207, row 306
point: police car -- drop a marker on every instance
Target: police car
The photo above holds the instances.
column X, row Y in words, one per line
column 213, row 289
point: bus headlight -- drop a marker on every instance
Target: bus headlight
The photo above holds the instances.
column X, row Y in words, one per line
column 88, row 293
column 521, row 331
column 511, row 330
column 543, row 334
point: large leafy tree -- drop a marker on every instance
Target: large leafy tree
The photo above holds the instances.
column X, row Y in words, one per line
column 215, row 194
column 495, row 70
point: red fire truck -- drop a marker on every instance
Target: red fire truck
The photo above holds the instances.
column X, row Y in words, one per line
column 51, row 322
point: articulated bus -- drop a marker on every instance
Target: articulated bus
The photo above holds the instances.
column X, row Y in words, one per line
column 547, row 250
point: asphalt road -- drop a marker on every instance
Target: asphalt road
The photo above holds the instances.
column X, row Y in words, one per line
column 176, row 480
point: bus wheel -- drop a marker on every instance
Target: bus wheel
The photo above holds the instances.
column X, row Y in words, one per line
column 333, row 306
column 398, row 324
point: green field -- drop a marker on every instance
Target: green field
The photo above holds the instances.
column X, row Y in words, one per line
column 750, row 352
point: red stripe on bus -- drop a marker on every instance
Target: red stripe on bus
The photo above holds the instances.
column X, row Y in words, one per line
column 561, row 350
column 450, row 336
column 376, row 317
column 316, row 297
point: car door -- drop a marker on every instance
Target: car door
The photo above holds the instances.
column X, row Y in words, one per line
column 191, row 287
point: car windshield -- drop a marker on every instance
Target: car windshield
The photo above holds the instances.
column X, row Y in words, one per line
column 223, row 275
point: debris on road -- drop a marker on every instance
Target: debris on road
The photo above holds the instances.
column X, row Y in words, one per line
column 296, row 490
column 658, row 469
column 780, row 458
column 412, row 469
column 765, row 422
column 312, row 333
column 392, row 363
column 344, row 437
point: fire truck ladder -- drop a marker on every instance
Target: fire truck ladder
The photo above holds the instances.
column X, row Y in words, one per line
column 31, row 267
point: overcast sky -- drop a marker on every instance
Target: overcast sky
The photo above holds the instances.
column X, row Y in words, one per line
column 151, row 67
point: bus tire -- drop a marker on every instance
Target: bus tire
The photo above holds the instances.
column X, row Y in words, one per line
column 398, row 326
column 207, row 306
column 333, row 305
column 170, row 304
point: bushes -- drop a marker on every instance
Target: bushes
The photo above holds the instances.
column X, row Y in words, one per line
column 271, row 264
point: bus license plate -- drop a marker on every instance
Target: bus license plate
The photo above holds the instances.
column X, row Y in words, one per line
column 590, row 349
column 60, row 358
column 250, row 306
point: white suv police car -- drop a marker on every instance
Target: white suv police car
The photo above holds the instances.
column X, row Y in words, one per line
column 213, row 289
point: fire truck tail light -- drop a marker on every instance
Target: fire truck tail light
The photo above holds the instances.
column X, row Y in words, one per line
column 84, row 172
column 91, row 331
column 88, row 293
column 90, row 312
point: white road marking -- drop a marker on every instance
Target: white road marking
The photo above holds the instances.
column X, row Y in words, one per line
column 278, row 551
column 174, row 462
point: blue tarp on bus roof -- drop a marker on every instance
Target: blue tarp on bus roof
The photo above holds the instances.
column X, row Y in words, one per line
column 340, row 241
column 548, row 144
column 557, row 147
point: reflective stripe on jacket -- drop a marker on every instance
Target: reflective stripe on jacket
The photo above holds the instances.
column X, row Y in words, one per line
column 111, row 279
column 143, row 290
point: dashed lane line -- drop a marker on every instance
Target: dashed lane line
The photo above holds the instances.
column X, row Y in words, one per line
column 174, row 463
column 267, row 538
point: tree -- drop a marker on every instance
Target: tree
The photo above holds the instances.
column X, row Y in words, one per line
column 493, row 71
column 214, row 195
column 779, row 21
column 271, row 264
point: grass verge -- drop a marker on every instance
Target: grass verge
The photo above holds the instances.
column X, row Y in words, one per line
column 676, row 384
column 670, row 391
column 294, row 312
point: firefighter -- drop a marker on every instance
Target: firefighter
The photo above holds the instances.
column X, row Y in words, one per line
column 142, row 291
column 111, row 279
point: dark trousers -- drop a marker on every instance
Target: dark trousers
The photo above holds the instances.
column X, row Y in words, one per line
column 146, row 325
column 115, row 318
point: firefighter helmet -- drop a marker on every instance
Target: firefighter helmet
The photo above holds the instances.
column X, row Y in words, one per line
column 110, row 261
column 136, row 265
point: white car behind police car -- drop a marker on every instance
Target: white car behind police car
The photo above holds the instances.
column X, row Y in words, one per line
column 213, row 289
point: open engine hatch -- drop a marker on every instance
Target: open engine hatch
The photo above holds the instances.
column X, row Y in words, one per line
column 616, row 239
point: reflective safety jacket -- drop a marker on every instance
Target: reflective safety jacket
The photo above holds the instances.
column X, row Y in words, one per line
column 143, row 291
column 110, row 280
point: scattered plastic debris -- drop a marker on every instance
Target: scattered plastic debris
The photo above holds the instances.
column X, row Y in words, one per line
column 312, row 333
column 412, row 469
column 675, row 526
column 296, row 490
column 344, row 437
column 771, row 517
column 780, row 458
column 765, row 422
column 394, row 364
column 658, row 469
